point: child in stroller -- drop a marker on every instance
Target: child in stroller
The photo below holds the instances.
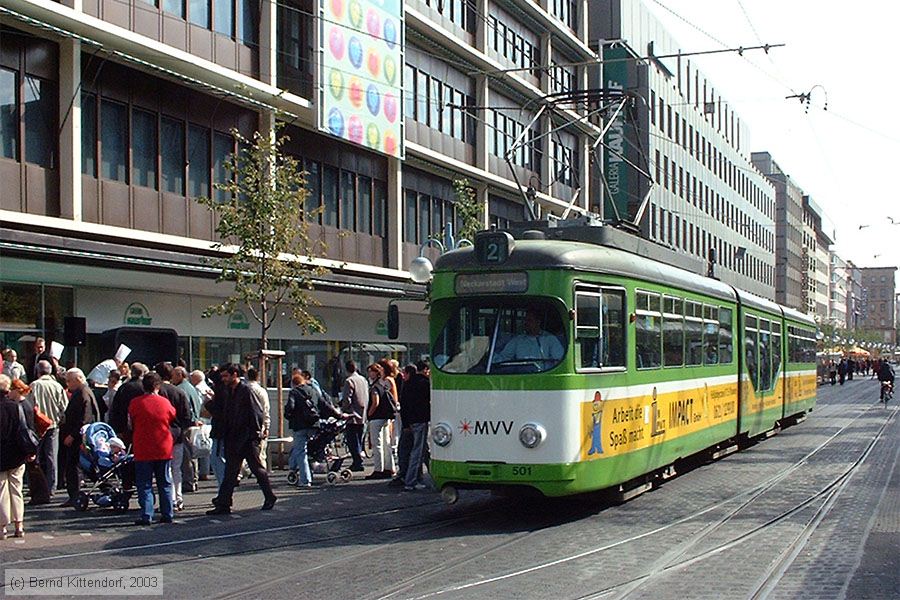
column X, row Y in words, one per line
column 102, row 456
column 321, row 449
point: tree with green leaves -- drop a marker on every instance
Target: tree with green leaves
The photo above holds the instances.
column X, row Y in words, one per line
column 468, row 209
column 263, row 226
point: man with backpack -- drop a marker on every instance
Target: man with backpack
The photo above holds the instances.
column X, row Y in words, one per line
column 302, row 413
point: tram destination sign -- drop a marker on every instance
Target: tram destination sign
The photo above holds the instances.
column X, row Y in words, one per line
column 468, row 284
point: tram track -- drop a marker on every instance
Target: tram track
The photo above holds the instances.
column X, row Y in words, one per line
column 672, row 561
column 746, row 497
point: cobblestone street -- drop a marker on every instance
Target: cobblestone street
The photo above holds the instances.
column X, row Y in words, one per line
column 812, row 512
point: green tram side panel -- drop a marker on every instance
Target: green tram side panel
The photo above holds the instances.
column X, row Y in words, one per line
column 573, row 478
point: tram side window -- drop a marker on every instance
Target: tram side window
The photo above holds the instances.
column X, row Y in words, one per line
column 600, row 328
column 765, row 357
column 648, row 330
column 750, row 350
column 726, row 353
column 693, row 333
column 776, row 351
column 673, row 332
column 710, row 335
column 587, row 329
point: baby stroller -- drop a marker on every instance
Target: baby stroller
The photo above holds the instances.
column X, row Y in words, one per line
column 101, row 458
column 322, row 450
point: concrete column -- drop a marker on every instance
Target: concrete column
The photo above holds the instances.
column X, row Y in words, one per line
column 482, row 116
column 482, row 31
column 395, row 214
column 268, row 42
column 584, row 176
column 70, row 129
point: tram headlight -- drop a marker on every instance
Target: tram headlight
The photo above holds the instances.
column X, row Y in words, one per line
column 531, row 435
column 442, row 434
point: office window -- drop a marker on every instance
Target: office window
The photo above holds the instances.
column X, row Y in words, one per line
column 409, row 95
column 348, row 200
column 198, row 161
column 422, row 95
column 330, row 195
column 172, row 151
column 409, row 218
column 40, row 122
column 89, row 134
column 143, row 148
column 248, row 21
column 113, row 140
column 223, row 17
column 175, row 7
column 424, row 217
column 199, row 12
column 379, row 208
column 434, row 100
column 314, row 187
column 223, row 147
column 364, row 205
column 9, row 114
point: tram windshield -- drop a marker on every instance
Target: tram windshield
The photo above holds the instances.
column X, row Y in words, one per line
column 499, row 336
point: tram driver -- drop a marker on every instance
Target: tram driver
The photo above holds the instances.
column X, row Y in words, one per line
column 534, row 344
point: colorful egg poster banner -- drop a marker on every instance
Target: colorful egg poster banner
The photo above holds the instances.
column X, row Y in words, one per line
column 361, row 72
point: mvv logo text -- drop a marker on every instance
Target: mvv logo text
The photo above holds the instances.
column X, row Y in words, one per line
column 467, row 427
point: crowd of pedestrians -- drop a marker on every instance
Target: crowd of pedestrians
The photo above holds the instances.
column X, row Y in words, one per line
column 181, row 426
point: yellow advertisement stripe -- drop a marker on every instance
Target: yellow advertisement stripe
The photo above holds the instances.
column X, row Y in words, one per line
column 619, row 426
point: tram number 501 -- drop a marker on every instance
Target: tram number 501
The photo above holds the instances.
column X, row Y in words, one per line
column 522, row 471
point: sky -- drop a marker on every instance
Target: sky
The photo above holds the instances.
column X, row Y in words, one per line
column 843, row 151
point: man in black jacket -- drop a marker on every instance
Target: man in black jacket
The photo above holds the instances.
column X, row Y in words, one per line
column 183, row 421
column 415, row 411
column 240, row 423
column 81, row 410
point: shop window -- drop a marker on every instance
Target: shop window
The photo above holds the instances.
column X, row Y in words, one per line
column 20, row 306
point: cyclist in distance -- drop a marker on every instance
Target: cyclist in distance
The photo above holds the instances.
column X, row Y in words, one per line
column 886, row 375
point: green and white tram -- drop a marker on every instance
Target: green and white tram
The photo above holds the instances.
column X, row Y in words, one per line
column 568, row 366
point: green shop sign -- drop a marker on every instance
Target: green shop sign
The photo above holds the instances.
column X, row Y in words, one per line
column 238, row 320
column 137, row 314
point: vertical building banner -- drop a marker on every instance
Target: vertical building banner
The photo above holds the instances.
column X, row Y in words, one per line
column 361, row 72
column 625, row 185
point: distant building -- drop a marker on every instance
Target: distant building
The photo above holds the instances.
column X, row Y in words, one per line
column 879, row 295
column 791, row 265
column 683, row 154
column 838, row 292
column 854, row 295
